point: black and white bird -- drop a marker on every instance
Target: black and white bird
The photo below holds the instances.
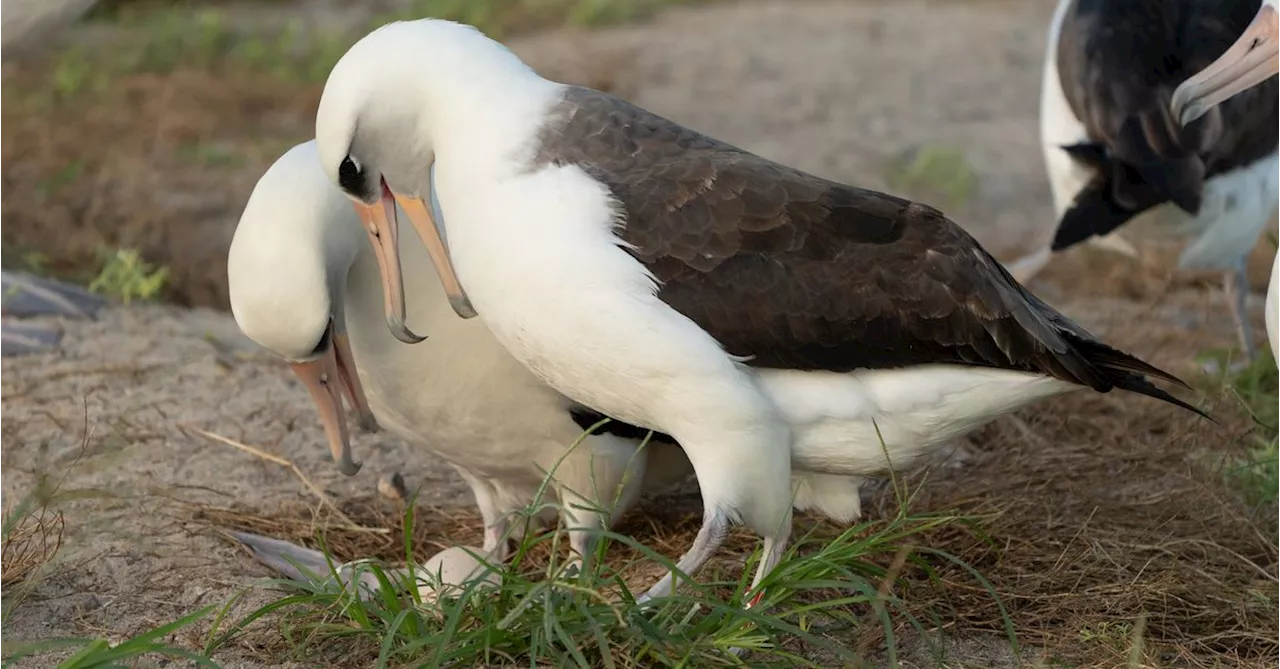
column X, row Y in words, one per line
column 1250, row 61
column 1114, row 149
column 767, row 319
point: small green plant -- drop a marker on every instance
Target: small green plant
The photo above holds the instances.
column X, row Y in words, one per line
column 73, row 72
column 212, row 154
column 99, row 653
column 1255, row 387
column 125, row 275
column 934, row 171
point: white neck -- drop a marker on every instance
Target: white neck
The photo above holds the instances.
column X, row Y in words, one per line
column 479, row 101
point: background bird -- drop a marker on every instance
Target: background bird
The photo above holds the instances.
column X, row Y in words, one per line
column 1114, row 149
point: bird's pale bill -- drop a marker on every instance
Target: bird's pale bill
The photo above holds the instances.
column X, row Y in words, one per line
column 327, row 377
column 382, row 224
column 351, row 382
column 1247, row 63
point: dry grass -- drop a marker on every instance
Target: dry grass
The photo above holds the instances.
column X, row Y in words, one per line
column 1097, row 521
column 32, row 541
column 1092, row 523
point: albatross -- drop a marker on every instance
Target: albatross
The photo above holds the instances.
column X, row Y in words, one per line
column 1114, row 149
column 304, row 284
column 1249, row 62
column 765, row 318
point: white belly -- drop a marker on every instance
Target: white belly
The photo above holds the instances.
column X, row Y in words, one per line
column 1273, row 294
column 1059, row 126
column 867, row 421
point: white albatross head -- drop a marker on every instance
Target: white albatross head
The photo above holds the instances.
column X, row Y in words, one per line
column 374, row 132
column 1251, row 60
column 286, row 272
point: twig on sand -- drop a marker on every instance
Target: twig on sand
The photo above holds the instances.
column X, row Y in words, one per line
column 284, row 462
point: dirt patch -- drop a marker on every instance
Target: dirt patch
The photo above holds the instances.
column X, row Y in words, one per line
column 1099, row 510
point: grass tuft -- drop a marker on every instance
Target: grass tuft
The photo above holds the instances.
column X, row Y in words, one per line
column 32, row 537
column 1254, row 388
column 827, row 593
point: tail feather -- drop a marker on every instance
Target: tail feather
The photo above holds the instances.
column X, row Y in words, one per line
column 1101, row 367
column 1127, row 372
column 1109, row 358
column 1093, row 213
column 1137, row 384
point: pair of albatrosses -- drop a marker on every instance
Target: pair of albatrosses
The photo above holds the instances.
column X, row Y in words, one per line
column 773, row 323
column 304, row 284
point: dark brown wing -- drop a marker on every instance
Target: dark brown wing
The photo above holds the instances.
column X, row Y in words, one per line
column 803, row 273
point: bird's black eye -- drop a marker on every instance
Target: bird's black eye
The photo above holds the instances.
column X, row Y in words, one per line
column 349, row 176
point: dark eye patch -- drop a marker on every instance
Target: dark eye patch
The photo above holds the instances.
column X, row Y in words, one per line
column 350, row 176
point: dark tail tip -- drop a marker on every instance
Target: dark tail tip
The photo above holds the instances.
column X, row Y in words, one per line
column 1137, row 384
column 1130, row 373
column 1094, row 213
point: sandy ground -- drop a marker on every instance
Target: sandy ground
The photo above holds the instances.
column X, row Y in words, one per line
column 838, row 88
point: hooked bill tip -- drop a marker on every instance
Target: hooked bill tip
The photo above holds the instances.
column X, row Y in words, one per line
column 462, row 306
column 1185, row 105
column 349, row 467
column 402, row 332
column 1190, row 114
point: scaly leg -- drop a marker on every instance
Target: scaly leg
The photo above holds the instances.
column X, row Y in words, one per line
column 774, row 547
column 1235, row 286
column 583, row 521
column 710, row 537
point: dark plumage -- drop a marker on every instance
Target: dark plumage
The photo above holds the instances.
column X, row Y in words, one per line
column 1119, row 62
column 585, row 418
column 800, row 272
